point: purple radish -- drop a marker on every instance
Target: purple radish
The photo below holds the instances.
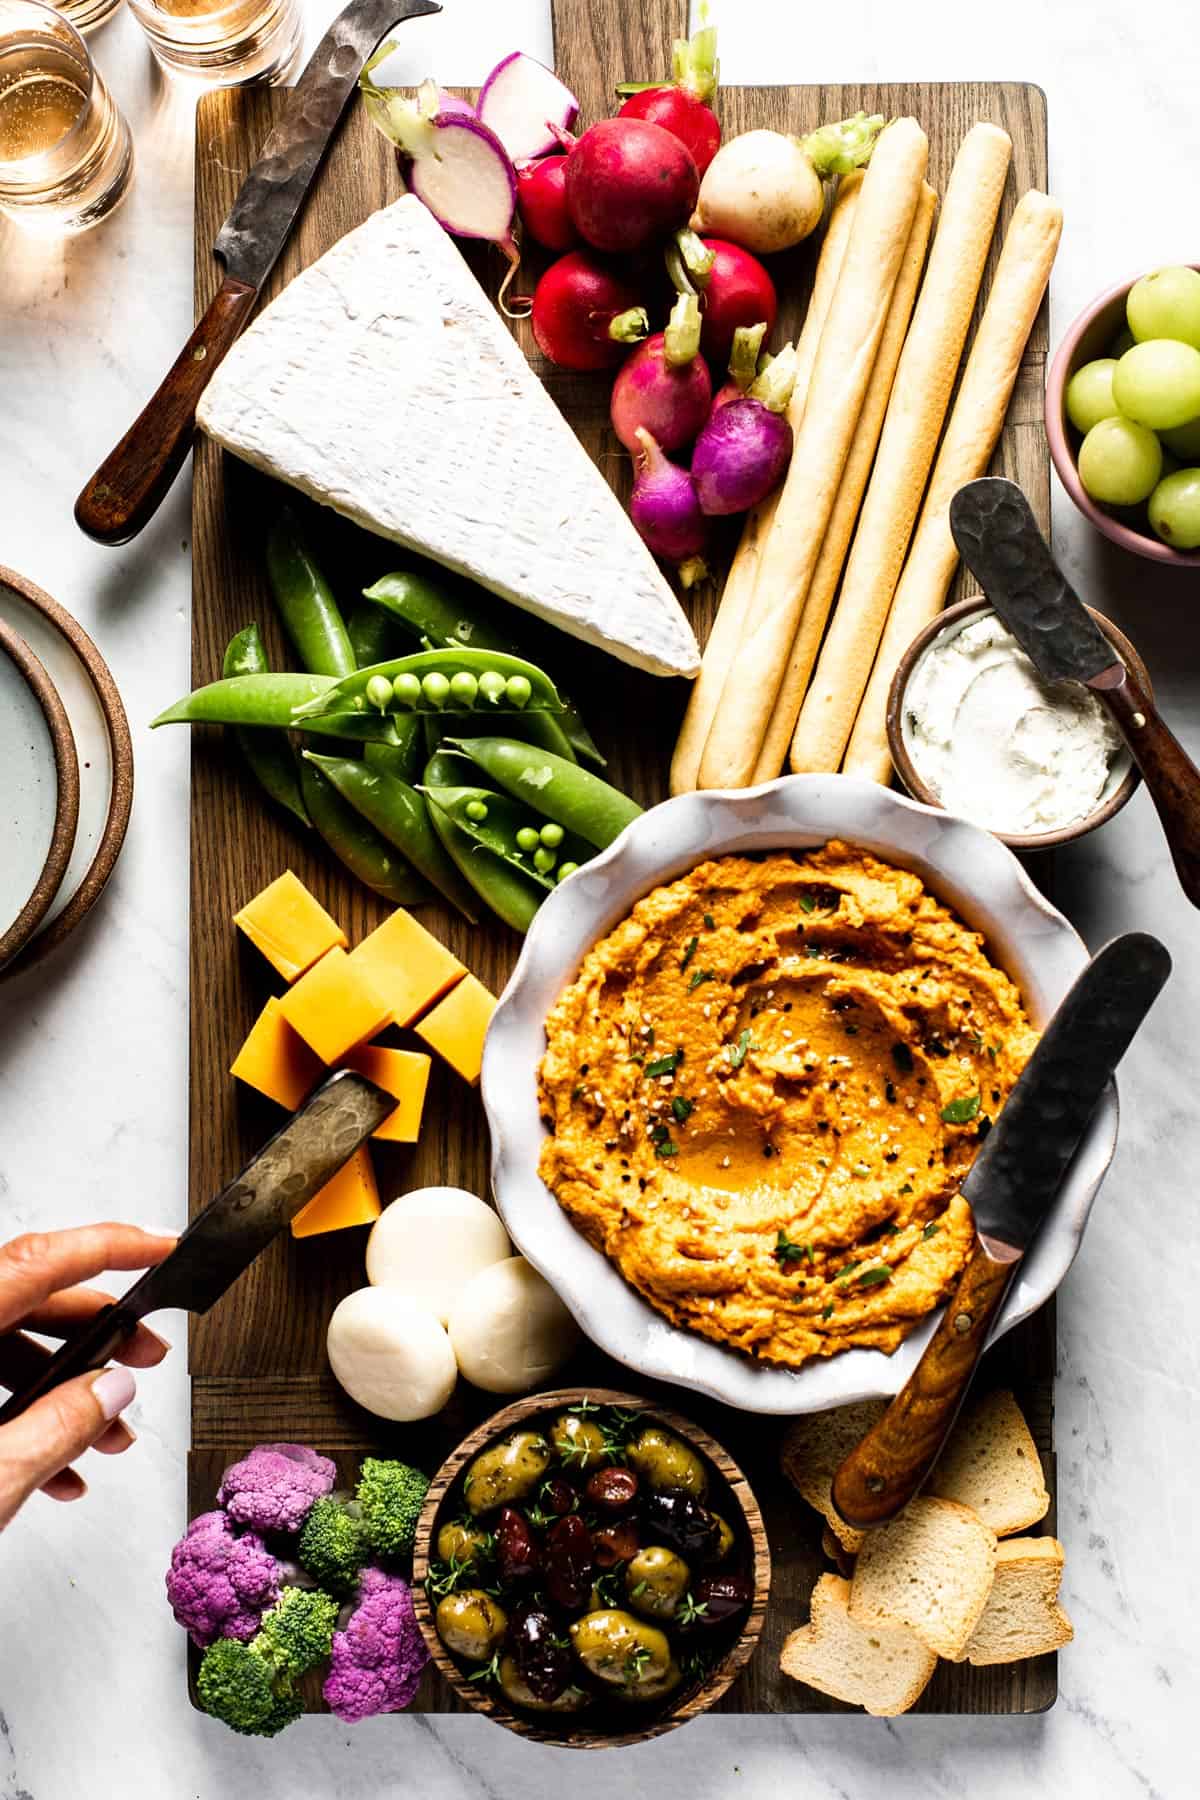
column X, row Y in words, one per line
column 665, row 508
column 524, row 103
column 453, row 162
column 664, row 386
column 745, row 447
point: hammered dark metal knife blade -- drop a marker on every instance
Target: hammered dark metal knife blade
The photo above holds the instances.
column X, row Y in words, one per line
column 998, row 539
column 223, row 1240
column 130, row 484
column 1011, row 1187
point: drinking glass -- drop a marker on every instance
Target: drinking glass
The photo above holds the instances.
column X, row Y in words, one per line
column 66, row 157
column 83, row 14
column 223, row 43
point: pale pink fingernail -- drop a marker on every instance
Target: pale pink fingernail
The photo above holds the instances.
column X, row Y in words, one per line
column 114, row 1389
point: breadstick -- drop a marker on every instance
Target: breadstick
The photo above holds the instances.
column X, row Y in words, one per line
column 915, row 415
column 828, row 571
column 971, row 436
column 726, row 632
column 887, row 203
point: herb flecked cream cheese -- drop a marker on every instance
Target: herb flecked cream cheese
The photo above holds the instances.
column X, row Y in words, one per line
column 999, row 744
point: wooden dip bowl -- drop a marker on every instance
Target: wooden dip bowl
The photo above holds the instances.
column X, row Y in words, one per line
column 624, row 1722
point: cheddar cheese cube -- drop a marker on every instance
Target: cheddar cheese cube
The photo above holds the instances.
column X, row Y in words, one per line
column 404, row 1073
column 334, row 1006
column 351, row 1198
column 408, row 966
column 289, row 926
column 276, row 1061
column 457, row 1025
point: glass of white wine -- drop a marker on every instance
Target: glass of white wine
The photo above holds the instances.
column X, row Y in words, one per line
column 223, row 43
column 66, row 157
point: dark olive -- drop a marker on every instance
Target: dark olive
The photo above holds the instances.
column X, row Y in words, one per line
column 567, row 1563
column 517, row 1556
column 541, row 1654
column 558, row 1496
column 516, row 1689
column 719, row 1598
column 614, row 1544
column 612, row 1491
column 684, row 1524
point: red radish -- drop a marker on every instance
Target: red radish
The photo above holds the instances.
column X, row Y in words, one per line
column 629, row 182
column 653, row 393
column 737, row 291
column 683, row 106
column 454, row 164
column 542, row 196
column 664, row 507
column 745, row 447
column 523, row 101
column 584, row 315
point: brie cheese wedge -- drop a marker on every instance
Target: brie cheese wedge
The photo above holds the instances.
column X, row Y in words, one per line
column 383, row 383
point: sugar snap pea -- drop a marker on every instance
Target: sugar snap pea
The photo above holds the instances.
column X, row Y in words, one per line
column 305, row 602
column 397, row 812
column 255, row 699
column 267, row 754
column 530, row 727
column 559, row 790
column 443, row 610
column 421, row 683
column 374, row 861
column 406, row 757
column 374, row 637
column 510, row 831
column 511, row 895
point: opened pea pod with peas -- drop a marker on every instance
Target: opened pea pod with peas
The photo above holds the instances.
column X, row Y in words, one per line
column 455, row 770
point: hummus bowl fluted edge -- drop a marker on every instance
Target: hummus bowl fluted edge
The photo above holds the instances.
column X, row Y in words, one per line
column 963, row 865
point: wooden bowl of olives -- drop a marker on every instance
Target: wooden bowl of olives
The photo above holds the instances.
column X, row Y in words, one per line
column 590, row 1569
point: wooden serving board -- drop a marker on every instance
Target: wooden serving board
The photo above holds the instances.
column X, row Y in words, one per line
column 257, row 1360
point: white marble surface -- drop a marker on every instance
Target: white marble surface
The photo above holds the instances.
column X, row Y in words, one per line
column 93, row 1059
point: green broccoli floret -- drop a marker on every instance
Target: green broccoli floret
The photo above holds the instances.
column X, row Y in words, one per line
column 245, row 1689
column 391, row 1495
column 333, row 1545
column 298, row 1632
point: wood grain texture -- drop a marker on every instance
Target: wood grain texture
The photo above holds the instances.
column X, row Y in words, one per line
column 257, row 1359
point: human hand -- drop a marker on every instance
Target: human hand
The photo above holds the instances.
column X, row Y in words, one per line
column 39, row 1273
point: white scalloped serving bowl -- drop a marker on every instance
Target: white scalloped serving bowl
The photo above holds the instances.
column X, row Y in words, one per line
column 966, row 867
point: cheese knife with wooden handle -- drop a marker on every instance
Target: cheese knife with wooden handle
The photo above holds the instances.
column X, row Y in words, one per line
column 132, row 481
column 223, row 1240
column 998, row 539
column 1010, row 1186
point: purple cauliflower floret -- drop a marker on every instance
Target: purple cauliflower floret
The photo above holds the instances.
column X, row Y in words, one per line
column 220, row 1584
column 376, row 1662
column 274, row 1487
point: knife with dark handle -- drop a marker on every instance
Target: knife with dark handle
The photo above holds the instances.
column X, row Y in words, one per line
column 1011, row 1186
column 128, row 487
column 998, row 539
column 223, row 1240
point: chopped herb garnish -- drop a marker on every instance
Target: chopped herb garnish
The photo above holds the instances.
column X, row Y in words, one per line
column 689, row 952
column 875, row 1277
column 807, row 903
column 813, row 950
column 682, row 1108
column 576, row 1092
column 960, row 1112
column 828, row 1312
column 489, row 1672
column 737, row 1052
column 907, row 1188
column 635, row 1662
column 992, row 1051
column 931, row 1230
column 786, row 1251
column 845, row 1270
column 660, row 1137
column 639, row 1587
column 710, row 924
column 665, row 1065
column 699, row 978
column 689, row 1611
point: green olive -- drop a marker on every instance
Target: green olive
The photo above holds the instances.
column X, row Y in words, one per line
column 572, row 1699
column 578, row 1442
column 471, row 1624
column 725, row 1540
column 664, row 1461
column 619, row 1649
column 656, row 1581
column 658, row 1689
column 463, row 1544
column 506, row 1472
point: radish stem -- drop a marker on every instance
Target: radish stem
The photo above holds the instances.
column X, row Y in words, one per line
column 681, row 340
column 743, row 357
column 630, row 327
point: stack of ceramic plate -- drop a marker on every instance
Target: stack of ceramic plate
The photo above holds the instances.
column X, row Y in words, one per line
column 66, row 773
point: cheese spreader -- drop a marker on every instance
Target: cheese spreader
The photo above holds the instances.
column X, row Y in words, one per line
column 1010, row 1186
column 130, row 484
column 223, row 1240
column 998, row 538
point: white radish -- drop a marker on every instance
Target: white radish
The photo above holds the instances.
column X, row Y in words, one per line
column 526, row 105
column 764, row 189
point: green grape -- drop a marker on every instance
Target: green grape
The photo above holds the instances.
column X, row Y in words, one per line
column 1184, row 441
column 1123, row 341
column 1166, row 305
column 1158, row 384
column 1119, row 462
column 1175, row 509
column 1089, row 394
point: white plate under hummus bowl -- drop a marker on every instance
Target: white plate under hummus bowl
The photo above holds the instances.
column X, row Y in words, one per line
column 963, row 866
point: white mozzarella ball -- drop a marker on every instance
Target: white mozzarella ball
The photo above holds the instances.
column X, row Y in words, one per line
column 429, row 1244
column 390, row 1355
column 510, row 1330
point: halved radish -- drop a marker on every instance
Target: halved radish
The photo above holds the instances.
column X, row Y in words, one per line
column 524, row 102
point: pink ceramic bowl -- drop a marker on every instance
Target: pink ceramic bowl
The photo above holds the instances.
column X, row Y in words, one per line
column 1089, row 337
